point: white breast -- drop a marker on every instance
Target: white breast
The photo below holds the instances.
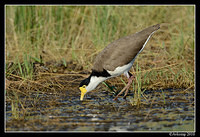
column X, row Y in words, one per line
column 122, row 69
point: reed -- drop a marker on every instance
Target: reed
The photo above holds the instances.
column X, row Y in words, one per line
column 79, row 33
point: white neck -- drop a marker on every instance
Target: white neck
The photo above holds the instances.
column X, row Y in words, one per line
column 94, row 82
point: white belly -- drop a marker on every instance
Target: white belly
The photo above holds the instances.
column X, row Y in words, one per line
column 122, row 69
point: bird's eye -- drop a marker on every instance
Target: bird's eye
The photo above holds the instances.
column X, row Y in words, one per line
column 84, row 86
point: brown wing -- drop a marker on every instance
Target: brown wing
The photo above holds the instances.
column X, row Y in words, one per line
column 122, row 51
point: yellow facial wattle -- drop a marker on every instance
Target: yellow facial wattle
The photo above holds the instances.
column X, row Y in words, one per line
column 83, row 92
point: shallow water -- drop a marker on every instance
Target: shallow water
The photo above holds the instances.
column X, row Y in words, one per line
column 167, row 110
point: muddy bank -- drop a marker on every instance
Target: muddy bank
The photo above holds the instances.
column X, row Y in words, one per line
column 98, row 112
column 50, row 102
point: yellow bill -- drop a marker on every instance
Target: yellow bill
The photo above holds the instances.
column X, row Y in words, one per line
column 83, row 92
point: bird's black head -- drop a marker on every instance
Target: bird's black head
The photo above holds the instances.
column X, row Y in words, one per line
column 85, row 82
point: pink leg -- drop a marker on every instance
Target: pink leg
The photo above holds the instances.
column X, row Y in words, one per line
column 125, row 88
column 130, row 80
column 120, row 93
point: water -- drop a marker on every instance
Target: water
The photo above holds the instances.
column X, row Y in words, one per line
column 168, row 110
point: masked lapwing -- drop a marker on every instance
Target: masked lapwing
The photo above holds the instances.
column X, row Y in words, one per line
column 117, row 58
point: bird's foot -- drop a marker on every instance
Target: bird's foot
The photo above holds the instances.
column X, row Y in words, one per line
column 126, row 93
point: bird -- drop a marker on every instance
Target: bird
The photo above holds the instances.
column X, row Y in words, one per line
column 115, row 59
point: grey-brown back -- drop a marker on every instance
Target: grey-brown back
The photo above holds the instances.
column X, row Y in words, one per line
column 123, row 50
